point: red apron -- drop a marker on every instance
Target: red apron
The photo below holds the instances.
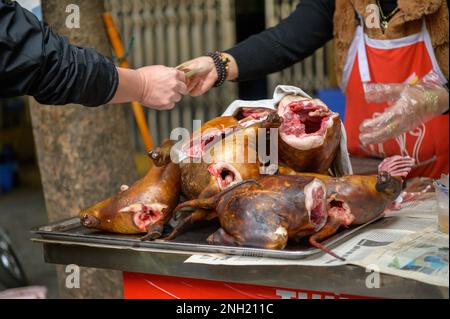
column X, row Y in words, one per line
column 402, row 60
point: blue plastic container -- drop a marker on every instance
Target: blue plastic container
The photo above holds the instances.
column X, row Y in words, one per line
column 6, row 178
column 334, row 99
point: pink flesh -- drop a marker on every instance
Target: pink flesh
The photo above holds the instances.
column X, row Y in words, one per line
column 337, row 210
column 397, row 166
column 303, row 118
column 255, row 114
column 225, row 176
column 145, row 217
column 252, row 114
column 196, row 147
column 318, row 213
column 250, row 111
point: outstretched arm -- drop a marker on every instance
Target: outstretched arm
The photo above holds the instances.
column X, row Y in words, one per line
column 308, row 28
column 38, row 62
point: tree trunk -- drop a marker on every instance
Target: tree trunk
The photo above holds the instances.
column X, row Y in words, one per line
column 84, row 154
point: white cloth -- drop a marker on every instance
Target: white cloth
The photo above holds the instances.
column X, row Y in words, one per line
column 280, row 92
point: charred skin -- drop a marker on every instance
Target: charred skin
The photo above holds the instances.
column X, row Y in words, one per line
column 308, row 143
column 356, row 200
column 195, row 176
column 366, row 197
column 267, row 212
column 234, row 161
column 198, row 177
column 221, row 170
column 358, row 193
column 145, row 206
column 194, row 179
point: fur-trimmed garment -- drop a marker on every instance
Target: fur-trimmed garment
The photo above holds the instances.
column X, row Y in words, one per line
column 406, row 22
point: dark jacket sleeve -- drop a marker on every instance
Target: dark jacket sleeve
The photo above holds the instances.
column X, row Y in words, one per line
column 38, row 62
column 308, row 28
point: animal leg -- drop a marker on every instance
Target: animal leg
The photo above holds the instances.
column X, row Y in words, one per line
column 154, row 231
column 210, row 203
column 220, row 237
column 188, row 220
column 204, row 203
column 330, row 228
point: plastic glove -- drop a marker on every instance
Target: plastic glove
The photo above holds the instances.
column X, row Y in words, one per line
column 414, row 105
column 380, row 93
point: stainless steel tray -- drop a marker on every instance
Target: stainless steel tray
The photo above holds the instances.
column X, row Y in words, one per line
column 193, row 240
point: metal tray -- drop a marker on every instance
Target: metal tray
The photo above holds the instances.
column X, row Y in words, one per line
column 193, row 240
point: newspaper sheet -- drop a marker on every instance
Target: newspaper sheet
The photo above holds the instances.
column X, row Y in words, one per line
column 380, row 234
column 356, row 248
column 422, row 256
column 425, row 206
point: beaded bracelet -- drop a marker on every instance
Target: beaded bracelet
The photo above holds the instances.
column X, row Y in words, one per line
column 221, row 63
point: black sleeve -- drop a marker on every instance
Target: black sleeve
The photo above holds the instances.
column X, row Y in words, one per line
column 38, row 62
column 308, row 28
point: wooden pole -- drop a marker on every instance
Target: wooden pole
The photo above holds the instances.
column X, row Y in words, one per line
column 117, row 46
column 84, row 154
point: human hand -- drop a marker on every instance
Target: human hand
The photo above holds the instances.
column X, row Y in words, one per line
column 416, row 104
column 157, row 87
column 161, row 87
column 381, row 93
column 202, row 74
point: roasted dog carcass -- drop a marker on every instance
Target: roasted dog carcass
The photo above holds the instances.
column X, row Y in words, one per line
column 144, row 207
column 270, row 210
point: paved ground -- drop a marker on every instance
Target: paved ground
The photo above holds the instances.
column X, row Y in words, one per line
column 19, row 212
